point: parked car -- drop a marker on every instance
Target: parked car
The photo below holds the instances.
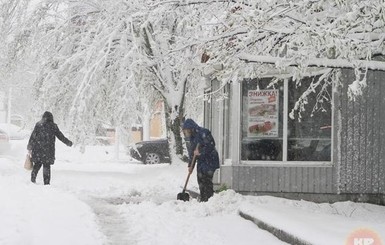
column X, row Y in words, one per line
column 4, row 142
column 14, row 132
column 151, row 152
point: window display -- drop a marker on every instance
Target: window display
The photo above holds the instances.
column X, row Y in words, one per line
column 263, row 113
column 307, row 136
column 262, row 120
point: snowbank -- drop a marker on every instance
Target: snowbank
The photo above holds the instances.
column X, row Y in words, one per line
column 176, row 222
column 37, row 214
column 316, row 223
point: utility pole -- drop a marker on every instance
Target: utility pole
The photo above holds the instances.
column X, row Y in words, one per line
column 117, row 142
column 9, row 105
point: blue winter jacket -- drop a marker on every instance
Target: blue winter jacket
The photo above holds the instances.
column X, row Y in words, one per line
column 208, row 160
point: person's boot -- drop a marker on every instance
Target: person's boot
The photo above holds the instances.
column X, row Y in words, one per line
column 33, row 178
column 47, row 174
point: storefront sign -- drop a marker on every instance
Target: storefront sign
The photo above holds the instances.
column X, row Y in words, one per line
column 263, row 113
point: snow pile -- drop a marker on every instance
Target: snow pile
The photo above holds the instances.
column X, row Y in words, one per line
column 316, row 223
column 177, row 222
column 36, row 214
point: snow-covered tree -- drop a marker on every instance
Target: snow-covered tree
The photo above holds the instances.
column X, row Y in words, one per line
column 168, row 58
column 84, row 74
column 109, row 60
column 290, row 37
column 100, row 61
column 16, row 67
column 12, row 14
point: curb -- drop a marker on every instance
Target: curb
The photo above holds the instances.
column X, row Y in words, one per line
column 280, row 234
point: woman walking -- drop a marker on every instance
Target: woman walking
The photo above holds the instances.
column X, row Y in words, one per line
column 41, row 146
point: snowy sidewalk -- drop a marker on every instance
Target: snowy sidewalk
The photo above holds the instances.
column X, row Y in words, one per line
column 301, row 222
column 37, row 214
column 96, row 200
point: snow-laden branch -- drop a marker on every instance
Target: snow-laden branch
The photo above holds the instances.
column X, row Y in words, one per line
column 186, row 3
column 369, row 36
column 318, row 62
column 206, row 41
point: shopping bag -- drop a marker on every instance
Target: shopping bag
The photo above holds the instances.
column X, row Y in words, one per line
column 28, row 163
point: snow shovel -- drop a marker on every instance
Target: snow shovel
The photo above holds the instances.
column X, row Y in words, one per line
column 184, row 196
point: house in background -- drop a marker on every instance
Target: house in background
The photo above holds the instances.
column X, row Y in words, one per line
column 158, row 122
column 155, row 128
column 335, row 152
column 153, row 125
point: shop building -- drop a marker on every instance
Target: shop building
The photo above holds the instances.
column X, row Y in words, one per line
column 331, row 148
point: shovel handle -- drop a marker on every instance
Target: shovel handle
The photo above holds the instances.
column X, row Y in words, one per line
column 189, row 174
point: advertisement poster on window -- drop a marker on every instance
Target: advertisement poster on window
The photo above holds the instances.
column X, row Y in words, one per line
column 263, row 113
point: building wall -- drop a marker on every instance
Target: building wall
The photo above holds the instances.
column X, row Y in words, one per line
column 362, row 154
column 136, row 134
column 358, row 165
column 156, row 126
column 305, row 179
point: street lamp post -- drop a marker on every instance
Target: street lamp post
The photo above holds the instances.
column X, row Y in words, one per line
column 9, row 105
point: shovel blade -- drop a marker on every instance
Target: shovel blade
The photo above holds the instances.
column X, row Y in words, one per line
column 183, row 196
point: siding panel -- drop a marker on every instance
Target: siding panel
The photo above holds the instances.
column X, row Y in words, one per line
column 349, row 143
column 323, row 180
column 330, row 180
column 362, row 132
column 361, row 150
column 269, row 182
column 283, row 179
column 342, row 148
column 370, row 134
column 275, row 177
column 305, row 179
column 287, row 179
column 236, row 178
column 378, row 124
column 248, row 177
column 259, row 181
column 317, row 174
column 293, row 180
column 381, row 161
column 281, row 183
column 311, row 180
column 299, row 179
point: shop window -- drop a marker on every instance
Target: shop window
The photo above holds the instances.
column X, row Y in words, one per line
column 264, row 131
column 262, row 117
column 309, row 134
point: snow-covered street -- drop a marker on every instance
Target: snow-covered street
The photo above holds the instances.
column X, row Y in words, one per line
column 94, row 199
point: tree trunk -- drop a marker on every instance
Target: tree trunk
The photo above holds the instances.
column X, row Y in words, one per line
column 176, row 128
column 175, row 137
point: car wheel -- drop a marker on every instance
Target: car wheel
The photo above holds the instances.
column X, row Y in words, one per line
column 152, row 158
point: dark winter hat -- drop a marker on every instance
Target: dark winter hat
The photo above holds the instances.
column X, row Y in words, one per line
column 190, row 124
column 47, row 116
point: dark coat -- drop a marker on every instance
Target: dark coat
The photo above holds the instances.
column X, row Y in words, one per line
column 208, row 160
column 42, row 140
